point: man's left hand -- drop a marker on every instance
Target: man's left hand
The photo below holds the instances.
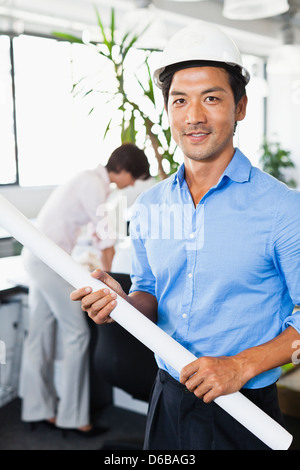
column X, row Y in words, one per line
column 210, row 377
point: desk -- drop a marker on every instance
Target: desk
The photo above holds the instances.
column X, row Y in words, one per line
column 13, row 277
column 14, row 315
column 9, row 246
column 13, row 322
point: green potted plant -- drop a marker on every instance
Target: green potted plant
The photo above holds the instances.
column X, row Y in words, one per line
column 116, row 51
column 274, row 160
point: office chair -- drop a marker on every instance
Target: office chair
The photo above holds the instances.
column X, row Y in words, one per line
column 120, row 359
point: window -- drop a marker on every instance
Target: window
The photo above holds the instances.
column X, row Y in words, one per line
column 56, row 135
column 48, row 134
column 251, row 131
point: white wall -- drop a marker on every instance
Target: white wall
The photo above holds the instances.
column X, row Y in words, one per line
column 284, row 103
column 28, row 200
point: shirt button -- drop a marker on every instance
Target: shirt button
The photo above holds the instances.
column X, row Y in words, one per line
column 184, row 315
column 192, row 235
column 190, row 275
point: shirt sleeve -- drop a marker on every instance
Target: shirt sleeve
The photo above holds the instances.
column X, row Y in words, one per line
column 142, row 276
column 93, row 199
column 286, row 245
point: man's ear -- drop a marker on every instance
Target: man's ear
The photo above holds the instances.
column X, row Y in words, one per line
column 241, row 108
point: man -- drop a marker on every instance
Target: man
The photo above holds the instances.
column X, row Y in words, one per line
column 70, row 207
column 225, row 287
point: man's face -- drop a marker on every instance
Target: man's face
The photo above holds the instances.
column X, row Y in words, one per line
column 202, row 112
column 123, row 179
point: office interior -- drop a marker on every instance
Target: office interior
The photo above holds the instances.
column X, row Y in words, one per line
column 57, row 99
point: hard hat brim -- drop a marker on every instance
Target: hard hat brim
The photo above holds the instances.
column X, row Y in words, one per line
column 162, row 73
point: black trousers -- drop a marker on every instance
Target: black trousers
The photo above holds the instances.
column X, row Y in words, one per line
column 178, row 420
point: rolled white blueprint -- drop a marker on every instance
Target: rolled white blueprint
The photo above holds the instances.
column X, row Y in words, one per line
column 238, row 406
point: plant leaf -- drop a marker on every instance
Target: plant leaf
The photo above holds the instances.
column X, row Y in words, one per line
column 107, row 128
column 150, row 83
column 68, row 37
column 112, row 28
column 101, row 26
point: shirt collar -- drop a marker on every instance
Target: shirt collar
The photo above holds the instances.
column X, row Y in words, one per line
column 238, row 170
column 179, row 176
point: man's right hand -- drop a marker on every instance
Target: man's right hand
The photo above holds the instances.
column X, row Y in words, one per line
column 99, row 304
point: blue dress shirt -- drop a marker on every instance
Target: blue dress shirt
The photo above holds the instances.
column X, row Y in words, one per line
column 226, row 274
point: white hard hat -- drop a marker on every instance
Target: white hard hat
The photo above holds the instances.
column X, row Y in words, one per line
column 199, row 41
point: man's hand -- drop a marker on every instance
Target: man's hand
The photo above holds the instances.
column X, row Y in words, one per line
column 99, row 304
column 211, row 377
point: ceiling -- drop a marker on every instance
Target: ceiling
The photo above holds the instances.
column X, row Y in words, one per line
column 254, row 37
